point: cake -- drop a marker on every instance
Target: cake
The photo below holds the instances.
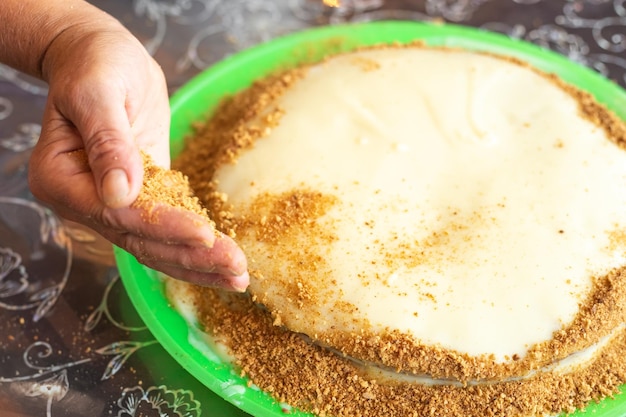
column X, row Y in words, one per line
column 428, row 230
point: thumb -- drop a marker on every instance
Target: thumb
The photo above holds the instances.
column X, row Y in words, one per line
column 114, row 158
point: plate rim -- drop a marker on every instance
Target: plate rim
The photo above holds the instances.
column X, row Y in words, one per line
column 145, row 288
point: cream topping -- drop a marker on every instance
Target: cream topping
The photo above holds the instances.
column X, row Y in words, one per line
column 474, row 204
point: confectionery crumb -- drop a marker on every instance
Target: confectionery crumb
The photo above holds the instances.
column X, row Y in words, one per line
column 161, row 187
column 164, row 187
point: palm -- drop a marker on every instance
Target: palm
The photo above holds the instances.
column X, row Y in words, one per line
column 96, row 121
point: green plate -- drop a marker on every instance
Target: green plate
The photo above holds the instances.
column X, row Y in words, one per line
column 196, row 99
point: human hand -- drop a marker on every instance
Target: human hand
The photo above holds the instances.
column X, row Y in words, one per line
column 107, row 100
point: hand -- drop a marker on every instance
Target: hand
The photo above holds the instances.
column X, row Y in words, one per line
column 107, row 100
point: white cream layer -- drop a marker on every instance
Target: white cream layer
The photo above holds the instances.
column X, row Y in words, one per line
column 511, row 201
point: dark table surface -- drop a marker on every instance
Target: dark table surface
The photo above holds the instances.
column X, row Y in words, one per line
column 71, row 343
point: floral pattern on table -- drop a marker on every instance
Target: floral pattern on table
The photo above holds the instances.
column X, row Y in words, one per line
column 33, row 276
column 25, row 284
column 157, row 401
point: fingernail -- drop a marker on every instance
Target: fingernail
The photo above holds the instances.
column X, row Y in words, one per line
column 115, row 187
column 207, row 243
column 207, row 237
column 237, row 284
column 225, row 270
column 240, row 283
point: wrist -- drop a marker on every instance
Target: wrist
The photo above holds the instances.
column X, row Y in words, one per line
column 77, row 40
column 31, row 28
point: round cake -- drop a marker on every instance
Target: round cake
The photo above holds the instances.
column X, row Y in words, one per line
column 438, row 221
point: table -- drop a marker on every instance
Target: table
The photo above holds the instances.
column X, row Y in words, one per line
column 71, row 343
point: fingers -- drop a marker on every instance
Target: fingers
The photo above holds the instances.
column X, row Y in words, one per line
column 164, row 223
column 105, row 130
column 99, row 82
column 225, row 257
column 224, row 265
column 107, row 100
column 150, row 118
column 177, row 242
column 216, row 280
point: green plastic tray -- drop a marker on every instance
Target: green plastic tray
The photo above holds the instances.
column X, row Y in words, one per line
column 195, row 100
